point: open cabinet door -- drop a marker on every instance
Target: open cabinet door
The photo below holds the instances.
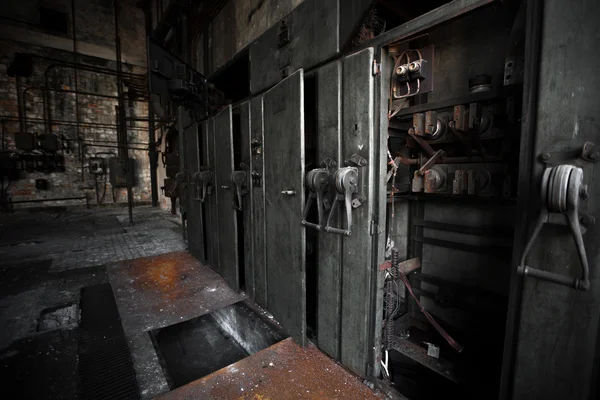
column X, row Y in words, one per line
column 552, row 339
column 195, row 230
column 226, row 214
column 210, row 210
column 284, row 203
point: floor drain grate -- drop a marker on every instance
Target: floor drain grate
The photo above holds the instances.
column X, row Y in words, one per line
column 105, row 366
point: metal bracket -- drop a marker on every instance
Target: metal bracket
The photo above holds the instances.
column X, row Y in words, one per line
column 356, row 161
column 590, row 152
column 256, row 179
column 376, row 68
column 373, row 228
column 283, row 34
column 329, row 164
column 256, row 147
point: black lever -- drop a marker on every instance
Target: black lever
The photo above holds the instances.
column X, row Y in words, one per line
column 239, row 178
column 204, row 179
column 346, row 184
column 317, row 181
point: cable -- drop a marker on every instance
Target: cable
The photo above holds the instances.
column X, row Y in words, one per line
column 455, row 345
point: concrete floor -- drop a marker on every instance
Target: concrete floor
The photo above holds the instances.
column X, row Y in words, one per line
column 46, row 258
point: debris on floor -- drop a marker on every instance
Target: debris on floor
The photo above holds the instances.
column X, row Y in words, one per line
column 66, row 317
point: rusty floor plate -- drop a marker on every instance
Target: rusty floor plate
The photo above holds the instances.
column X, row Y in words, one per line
column 282, row 371
column 155, row 292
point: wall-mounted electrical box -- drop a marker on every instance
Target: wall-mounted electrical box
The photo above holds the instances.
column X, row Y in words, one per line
column 41, row 184
column 121, row 171
column 24, row 141
column 48, row 143
column 97, row 165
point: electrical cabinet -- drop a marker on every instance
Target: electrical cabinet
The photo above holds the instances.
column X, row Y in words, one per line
column 121, row 173
column 380, row 202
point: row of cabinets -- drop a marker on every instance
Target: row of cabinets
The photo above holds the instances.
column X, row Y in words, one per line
column 282, row 199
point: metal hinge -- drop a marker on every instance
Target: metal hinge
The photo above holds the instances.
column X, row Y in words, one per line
column 373, row 228
column 376, row 68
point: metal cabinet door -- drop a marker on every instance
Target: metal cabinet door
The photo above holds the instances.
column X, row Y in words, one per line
column 358, row 137
column 247, row 207
column 257, row 194
column 329, row 261
column 195, row 232
column 552, row 342
column 284, row 203
column 210, row 204
column 227, row 219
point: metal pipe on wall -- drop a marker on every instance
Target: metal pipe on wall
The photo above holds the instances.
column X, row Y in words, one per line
column 20, row 105
column 77, row 67
column 106, row 96
column 75, row 74
column 67, row 123
column 121, row 114
column 153, row 155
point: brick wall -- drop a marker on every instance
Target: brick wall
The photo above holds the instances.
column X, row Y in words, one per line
column 97, row 128
column 96, row 134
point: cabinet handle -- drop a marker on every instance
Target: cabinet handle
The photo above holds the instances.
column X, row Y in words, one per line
column 560, row 194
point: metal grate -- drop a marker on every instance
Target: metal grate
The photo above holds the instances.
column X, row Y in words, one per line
column 105, row 366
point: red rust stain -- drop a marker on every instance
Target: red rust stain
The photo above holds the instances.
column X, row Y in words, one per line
column 282, row 371
column 162, row 274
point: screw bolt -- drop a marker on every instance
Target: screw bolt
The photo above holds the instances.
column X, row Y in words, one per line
column 545, row 156
column 583, row 192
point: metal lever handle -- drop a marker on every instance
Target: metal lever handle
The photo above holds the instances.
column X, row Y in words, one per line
column 204, row 179
column 288, row 192
column 561, row 188
column 317, row 181
column 238, row 178
column 346, row 184
column 173, row 188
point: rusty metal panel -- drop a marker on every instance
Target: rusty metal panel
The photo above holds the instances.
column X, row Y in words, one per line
column 282, row 371
column 227, row 225
column 357, row 249
column 245, row 156
column 210, row 204
column 154, row 292
column 309, row 35
column 329, row 263
column 284, row 204
column 257, row 195
column 195, row 230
